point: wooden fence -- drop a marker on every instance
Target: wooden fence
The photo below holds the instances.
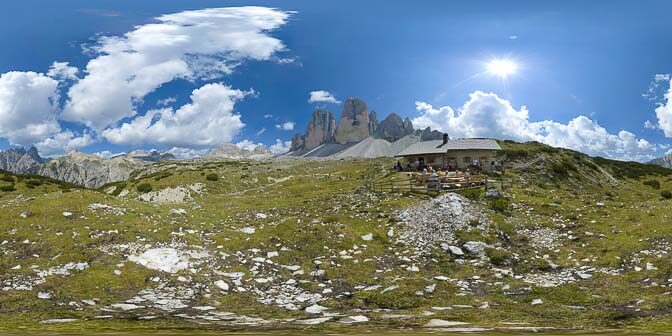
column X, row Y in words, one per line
column 405, row 182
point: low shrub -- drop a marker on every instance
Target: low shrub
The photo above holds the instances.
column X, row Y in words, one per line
column 33, row 183
column 212, row 177
column 7, row 188
column 499, row 257
column 472, row 194
column 144, row 187
column 500, row 205
column 655, row 184
column 666, row 194
column 7, row 178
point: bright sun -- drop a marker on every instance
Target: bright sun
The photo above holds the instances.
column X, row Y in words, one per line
column 502, row 68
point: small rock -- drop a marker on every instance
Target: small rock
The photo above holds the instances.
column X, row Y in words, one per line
column 221, row 284
column 354, row 319
column 67, row 214
column 438, row 323
column 367, row 237
column 26, row 214
column 43, row 295
column 315, row 309
column 58, row 321
column 318, row 320
column 126, row 306
column 179, row 212
column 537, row 302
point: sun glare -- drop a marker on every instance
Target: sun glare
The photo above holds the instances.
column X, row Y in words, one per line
column 502, row 68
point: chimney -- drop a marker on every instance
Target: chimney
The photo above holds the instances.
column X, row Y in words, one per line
column 445, row 138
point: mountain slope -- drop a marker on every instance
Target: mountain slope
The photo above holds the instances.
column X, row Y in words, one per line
column 18, row 160
column 89, row 170
column 576, row 242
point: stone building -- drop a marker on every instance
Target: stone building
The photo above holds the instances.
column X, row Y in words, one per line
column 459, row 153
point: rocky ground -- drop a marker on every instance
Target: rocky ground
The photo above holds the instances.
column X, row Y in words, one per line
column 295, row 244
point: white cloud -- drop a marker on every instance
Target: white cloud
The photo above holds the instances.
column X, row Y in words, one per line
column 267, row 116
column 106, row 154
column 28, row 107
column 248, row 145
column 261, row 131
column 288, row 126
column 664, row 109
column 62, row 71
column 207, row 121
column 650, row 125
column 201, row 44
column 280, row 147
column 166, row 101
column 187, row 153
column 322, row 96
column 64, row 142
column 487, row 115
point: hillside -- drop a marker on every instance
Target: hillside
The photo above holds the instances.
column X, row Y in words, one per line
column 576, row 242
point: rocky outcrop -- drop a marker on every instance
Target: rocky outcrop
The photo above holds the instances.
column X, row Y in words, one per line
column 428, row 135
column 151, row 156
column 354, row 123
column 321, row 129
column 665, row 161
column 89, row 170
column 21, row 161
column 233, row 152
column 298, row 142
column 393, row 128
column 373, row 122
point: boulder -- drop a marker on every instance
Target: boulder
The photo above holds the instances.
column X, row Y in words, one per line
column 354, row 124
column 475, row 248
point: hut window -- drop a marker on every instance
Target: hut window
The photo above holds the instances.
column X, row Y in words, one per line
column 467, row 159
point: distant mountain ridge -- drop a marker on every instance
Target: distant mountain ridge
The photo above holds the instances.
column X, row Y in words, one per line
column 665, row 161
column 324, row 137
column 86, row 170
column 19, row 160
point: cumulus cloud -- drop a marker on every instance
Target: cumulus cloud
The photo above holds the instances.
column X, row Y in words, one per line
column 207, row 121
column 187, row 153
column 106, row 154
column 322, row 96
column 248, row 145
column 192, row 45
column 62, row 71
column 28, row 107
column 166, row 101
column 280, row 147
column 650, row 125
column 288, row 126
column 64, row 142
column 488, row 115
column 664, row 108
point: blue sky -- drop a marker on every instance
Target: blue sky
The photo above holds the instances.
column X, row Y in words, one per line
column 424, row 60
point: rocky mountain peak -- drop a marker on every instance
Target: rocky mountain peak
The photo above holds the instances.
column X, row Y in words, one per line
column 354, row 125
column 393, row 128
column 321, row 129
column 665, row 161
column 20, row 161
